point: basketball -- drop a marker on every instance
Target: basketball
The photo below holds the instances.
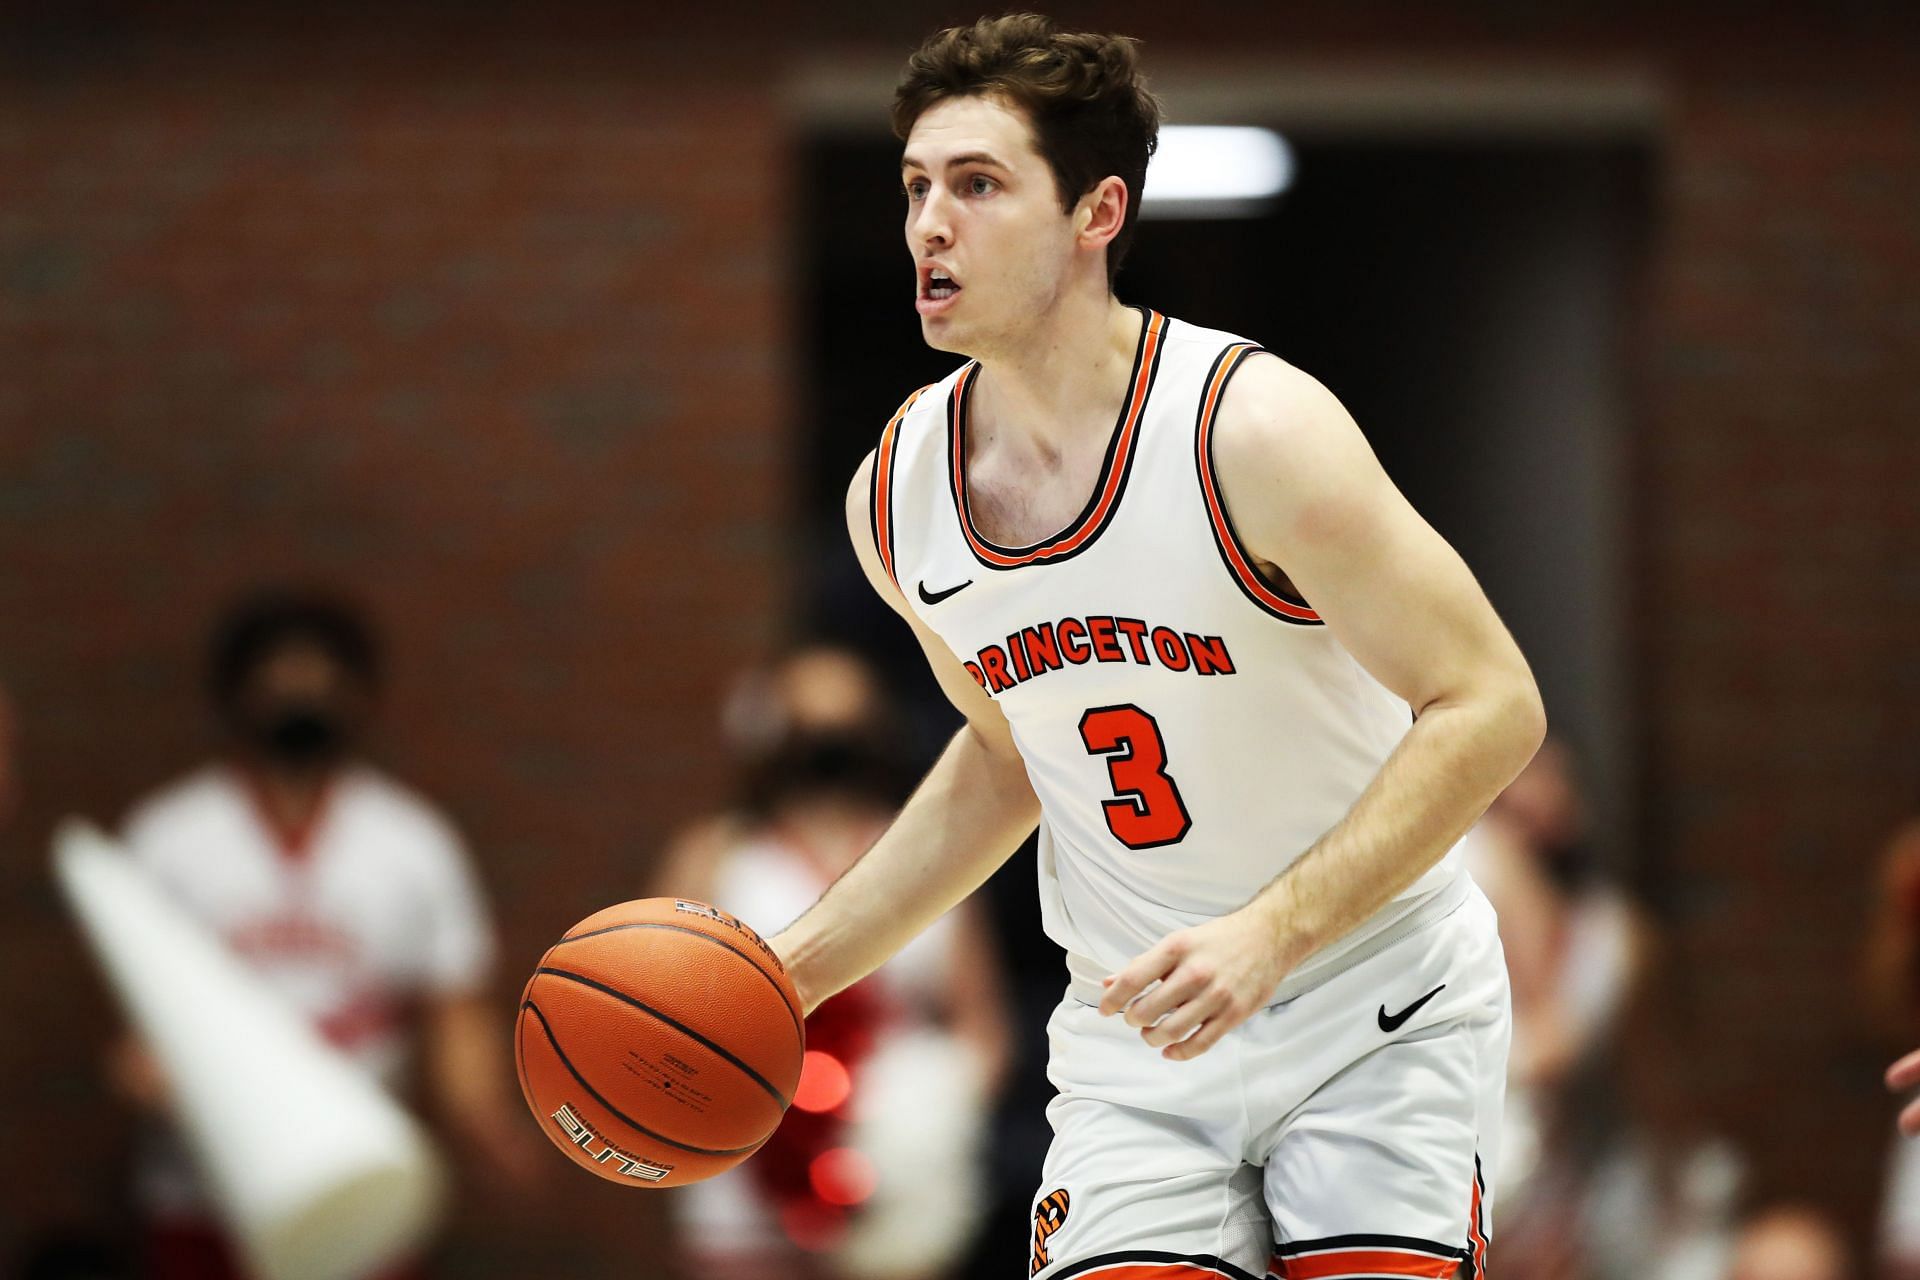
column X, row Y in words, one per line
column 659, row 1042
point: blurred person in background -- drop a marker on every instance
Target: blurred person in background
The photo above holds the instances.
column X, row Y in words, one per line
column 1589, row 1193
column 1789, row 1242
column 822, row 773
column 1891, row 983
column 348, row 894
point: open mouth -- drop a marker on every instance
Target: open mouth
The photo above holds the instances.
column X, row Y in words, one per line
column 936, row 285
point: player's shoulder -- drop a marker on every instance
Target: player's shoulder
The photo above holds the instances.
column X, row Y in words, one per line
column 1270, row 408
column 1186, row 336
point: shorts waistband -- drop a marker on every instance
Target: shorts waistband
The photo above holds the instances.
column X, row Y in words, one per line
column 1084, row 975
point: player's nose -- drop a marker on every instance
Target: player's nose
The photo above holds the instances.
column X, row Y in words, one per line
column 931, row 227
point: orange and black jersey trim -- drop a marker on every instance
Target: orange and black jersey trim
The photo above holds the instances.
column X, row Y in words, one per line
column 1239, row 563
column 1367, row 1257
column 1099, row 510
column 880, row 485
column 1477, row 1243
column 1153, row 1264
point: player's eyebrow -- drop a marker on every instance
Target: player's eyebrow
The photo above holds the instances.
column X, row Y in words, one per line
column 965, row 158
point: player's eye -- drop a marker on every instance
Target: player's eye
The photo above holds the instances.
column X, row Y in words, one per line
column 980, row 184
column 914, row 190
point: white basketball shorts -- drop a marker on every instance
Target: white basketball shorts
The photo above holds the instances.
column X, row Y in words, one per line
column 1348, row 1132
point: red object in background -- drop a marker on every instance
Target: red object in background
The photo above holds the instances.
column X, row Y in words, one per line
column 825, row 1082
column 842, row 1176
column 845, row 1030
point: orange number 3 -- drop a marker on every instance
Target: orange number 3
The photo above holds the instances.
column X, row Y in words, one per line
column 1147, row 810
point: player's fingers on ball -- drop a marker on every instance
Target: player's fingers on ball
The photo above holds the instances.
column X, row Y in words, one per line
column 1910, row 1120
column 1905, row 1073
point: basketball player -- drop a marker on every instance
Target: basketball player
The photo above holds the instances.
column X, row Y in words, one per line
column 1250, row 698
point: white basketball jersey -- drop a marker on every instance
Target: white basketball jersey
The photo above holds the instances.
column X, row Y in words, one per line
column 1188, row 730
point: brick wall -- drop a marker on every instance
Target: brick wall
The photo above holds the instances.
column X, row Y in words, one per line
column 1781, row 607
column 503, row 351
column 493, row 324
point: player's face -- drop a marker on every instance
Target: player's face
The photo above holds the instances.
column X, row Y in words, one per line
column 991, row 246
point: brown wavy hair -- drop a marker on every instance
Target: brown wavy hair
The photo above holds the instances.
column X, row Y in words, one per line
column 1084, row 95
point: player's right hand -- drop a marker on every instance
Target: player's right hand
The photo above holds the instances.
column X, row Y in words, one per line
column 1212, row 977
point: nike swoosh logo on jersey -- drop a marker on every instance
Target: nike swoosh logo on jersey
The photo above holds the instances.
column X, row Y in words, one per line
column 1393, row 1022
column 935, row 597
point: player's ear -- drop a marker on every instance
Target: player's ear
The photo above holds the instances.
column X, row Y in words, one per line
column 1101, row 213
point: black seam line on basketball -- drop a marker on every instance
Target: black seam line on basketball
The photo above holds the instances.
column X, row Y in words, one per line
column 957, row 406
column 798, row 1030
column 677, row 1025
column 1221, row 1265
column 616, row 1112
column 1204, row 468
column 520, row 1061
column 1365, row 1241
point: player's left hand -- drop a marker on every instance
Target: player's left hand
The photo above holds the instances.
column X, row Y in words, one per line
column 1212, row 978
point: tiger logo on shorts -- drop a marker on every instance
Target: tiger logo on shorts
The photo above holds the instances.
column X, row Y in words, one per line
column 1048, row 1217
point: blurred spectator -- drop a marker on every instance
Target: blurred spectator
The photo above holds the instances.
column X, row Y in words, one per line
column 1892, row 987
column 1575, row 942
column 1789, row 1242
column 822, row 776
column 345, row 892
column 1584, row 1193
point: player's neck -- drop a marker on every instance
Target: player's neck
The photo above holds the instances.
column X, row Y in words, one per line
column 1039, row 391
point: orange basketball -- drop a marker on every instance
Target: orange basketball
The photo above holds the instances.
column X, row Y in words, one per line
column 659, row 1042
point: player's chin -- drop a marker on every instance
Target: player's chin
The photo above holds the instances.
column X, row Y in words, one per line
column 941, row 332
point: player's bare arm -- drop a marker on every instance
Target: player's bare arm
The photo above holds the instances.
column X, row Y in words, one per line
column 968, row 816
column 1308, row 496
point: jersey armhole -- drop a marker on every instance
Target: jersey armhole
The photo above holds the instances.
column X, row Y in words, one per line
column 1233, row 553
column 880, row 486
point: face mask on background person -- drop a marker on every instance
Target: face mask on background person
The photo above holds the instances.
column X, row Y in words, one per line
column 300, row 734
